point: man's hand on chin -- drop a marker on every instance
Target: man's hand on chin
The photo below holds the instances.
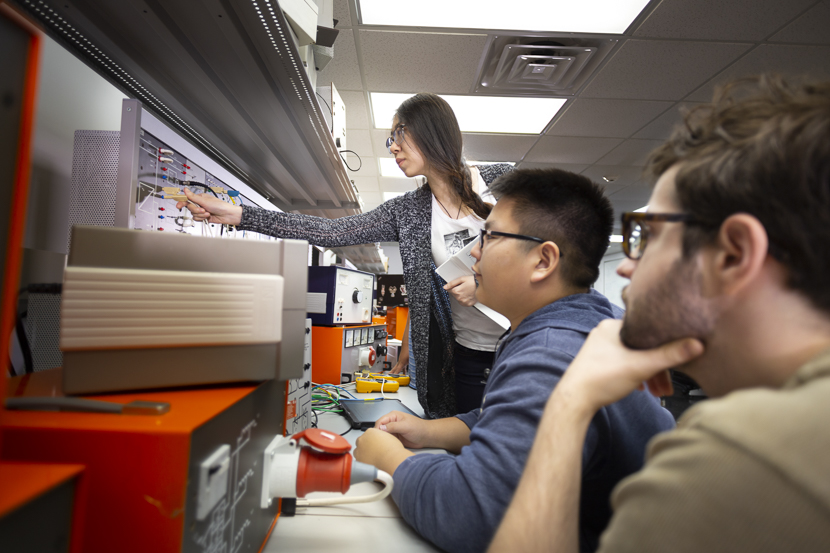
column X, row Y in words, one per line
column 381, row 449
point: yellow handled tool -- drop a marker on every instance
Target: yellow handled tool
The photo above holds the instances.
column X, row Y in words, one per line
column 363, row 386
column 402, row 379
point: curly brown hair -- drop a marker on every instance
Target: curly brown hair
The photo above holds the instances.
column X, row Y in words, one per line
column 761, row 147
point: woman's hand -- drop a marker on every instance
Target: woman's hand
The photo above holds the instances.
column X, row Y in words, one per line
column 399, row 367
column 463, row 290
column 205, row 207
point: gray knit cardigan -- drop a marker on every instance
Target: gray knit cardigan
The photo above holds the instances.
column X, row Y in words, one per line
column 406, row 219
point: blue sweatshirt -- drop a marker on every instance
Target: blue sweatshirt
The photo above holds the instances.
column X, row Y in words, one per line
column 457, row 501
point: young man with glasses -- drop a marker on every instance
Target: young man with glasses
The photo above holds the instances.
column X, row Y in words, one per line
column 537, row 258
column 729, row 283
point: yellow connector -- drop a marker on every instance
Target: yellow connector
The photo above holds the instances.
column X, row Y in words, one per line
column 363, row 386
column 172, row 190
column 218, row 189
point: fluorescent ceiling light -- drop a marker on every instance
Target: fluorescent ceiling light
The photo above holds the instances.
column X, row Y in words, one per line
column 389, row 195
column 485, row 114
column 389, row 168
column 616, row 238
column 566, row 16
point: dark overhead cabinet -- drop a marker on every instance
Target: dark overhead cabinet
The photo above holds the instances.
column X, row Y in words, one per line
column 226, row 75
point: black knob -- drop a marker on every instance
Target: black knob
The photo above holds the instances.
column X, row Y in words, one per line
column 357, row 296
column 381, row 351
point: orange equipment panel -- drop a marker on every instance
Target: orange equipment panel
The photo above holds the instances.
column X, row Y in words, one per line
column 142, row 474
column 20, row 66
column 34, row 493
column 332, row 354
column 396, row 318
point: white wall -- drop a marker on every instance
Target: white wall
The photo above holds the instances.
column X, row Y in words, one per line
column 609, row 282
column 393, row 251
column 70, row 97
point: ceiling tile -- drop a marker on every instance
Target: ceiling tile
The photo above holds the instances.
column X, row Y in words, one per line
column 357, row 116
column 750, row 20
column 810, row 28
column 608, row 118
column 639, row 192
column 662, row 127
column 632, row 152
column 341, row 14
column 610, row 188
column 379, row 142
column 360, row 141
column 368, row 166
column 621, row 175
column 497, row 147
column 343, row 70
column 389, row 184
column 374, row 197
column 813, row 61
column 367, row 184
column 570, row 149
column 541, row 165
column 661, row 70
column 414, row 62
column 621, row 206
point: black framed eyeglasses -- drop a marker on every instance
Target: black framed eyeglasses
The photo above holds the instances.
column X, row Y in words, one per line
column 635, row 229
column 490, row 233
column 397, row 137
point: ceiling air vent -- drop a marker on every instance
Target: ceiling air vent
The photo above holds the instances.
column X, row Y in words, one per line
column 530, row 65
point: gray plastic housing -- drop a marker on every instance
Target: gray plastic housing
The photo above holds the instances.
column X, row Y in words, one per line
column 109, row 370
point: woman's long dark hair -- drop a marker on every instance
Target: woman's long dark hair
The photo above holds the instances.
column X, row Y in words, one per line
column 431, row 124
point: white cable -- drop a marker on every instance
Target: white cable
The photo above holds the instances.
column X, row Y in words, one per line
column 382, row 477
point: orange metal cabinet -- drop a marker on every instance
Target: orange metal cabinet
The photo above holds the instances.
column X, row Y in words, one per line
column 396, row 318
column 142, row 473
column 19, row 78
column 338, row 350
column 34, row 493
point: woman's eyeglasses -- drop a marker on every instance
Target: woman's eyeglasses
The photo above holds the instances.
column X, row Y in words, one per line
column 635, row 229
column 397, row 137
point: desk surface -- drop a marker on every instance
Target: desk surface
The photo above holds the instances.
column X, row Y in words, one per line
column 376, row 526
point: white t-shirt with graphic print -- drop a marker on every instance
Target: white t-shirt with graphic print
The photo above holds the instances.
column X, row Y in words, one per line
column 473, row 329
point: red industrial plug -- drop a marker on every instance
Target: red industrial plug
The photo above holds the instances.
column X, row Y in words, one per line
column 328, row 470
column 324, row 465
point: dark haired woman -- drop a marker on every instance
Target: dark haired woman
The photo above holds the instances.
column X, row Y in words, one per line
column 451, row 341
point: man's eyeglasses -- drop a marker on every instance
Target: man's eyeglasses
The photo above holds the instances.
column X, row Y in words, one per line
column 635, row 229
column 490, row 233
column 397, row 137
